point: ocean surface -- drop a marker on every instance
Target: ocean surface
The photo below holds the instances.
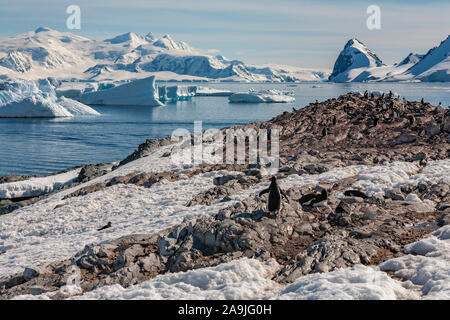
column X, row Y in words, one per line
column 42, row 146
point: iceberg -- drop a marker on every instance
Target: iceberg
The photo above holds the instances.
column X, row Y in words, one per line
column 176, row 93
column 211, row 92
column 265, row 96
column 36, row 99
column 137, row 93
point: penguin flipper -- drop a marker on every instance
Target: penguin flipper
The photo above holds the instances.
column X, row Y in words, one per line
column 285, row 196
column 264, row 191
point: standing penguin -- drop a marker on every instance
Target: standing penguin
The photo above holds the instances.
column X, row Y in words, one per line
column 274, row 199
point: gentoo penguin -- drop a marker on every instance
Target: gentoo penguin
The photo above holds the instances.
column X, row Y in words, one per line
column 422, row 101
column 108, row 225
column 355, row 193
column 312, row 198
column 274, row 198
column 324, row 131
column 390, row 94
column 334, row 120
column 366, row 94
column 375, row 122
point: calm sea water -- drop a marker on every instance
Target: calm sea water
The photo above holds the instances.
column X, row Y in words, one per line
column 42, row 146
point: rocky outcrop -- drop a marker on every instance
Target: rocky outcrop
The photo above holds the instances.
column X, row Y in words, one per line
column 336, row 233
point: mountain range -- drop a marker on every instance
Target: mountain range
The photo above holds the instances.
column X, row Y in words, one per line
column 45, row 52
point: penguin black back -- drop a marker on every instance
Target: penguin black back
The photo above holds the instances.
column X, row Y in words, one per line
column 274, row 198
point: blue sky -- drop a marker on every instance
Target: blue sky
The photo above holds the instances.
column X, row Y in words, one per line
column 302, row 33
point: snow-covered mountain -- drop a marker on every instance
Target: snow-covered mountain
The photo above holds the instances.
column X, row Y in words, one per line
column 357, row 63
column 353, row 59
column 46, row 52
column 434, row 66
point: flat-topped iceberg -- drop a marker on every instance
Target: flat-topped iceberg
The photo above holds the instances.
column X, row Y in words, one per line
column 36, row 99
column 265, row 96
column 140, row 92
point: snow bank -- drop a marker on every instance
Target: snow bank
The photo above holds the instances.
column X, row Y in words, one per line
column 375, row 180
column 139, row 92
column 37, row 186
column 265, row 96
column 29, row 99
column 211, row 92
column 239, row 279
column 426, row 267
column 176, row 93
column 356, row 283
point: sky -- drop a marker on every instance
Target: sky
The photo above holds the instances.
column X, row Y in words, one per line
column 308, row 34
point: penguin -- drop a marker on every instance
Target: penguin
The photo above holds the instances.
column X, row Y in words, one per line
column 390, row 94
column 375, row 122
column 324, row 131
column 382, row 96
column 412, row 120
column 274, row 198
column 293, row 109
column 334, row 120
column 422, row 101
column 355, row 193
column 366, row 94
column 423, row 162
column 312, row 198
column 108, row 225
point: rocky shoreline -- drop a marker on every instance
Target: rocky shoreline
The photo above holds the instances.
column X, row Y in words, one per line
column 346, row 229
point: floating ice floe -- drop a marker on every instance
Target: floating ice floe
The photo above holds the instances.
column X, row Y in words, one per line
column 176, row 93
column 211, row 92
column 30, row 99
column 265, row 96
column 37, row 186
column 140, row 92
